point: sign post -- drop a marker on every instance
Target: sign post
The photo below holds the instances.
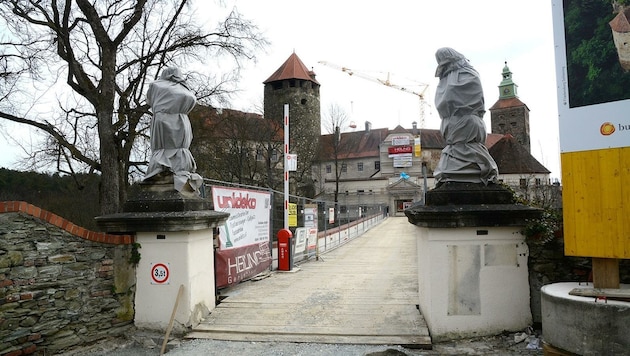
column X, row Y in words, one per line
column 286, row 166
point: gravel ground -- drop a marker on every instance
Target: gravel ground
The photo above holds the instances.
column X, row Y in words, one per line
column 142, row 344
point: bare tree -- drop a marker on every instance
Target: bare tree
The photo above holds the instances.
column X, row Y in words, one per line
column 106, row 52
column 335, row 119
column 238, row 147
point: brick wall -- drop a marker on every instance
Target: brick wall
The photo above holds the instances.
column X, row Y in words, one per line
column 61, row 286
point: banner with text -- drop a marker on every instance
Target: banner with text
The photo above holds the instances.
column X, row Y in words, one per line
column 244, row 248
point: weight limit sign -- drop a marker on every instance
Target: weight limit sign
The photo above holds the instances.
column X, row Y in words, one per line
column 160, row 273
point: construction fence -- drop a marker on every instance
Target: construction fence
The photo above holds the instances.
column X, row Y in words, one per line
column 335, row 223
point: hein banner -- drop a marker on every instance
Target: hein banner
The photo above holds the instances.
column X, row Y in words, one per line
column 244, row 248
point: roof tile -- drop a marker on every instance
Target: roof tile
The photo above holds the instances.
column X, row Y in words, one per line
column 292, row 68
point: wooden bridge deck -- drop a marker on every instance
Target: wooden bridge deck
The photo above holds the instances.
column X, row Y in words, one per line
column 365, row 292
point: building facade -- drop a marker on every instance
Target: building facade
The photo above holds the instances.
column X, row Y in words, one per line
column 390, row 167
column 395, row 167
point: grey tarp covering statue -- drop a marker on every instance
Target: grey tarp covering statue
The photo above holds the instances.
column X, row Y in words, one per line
column 171, row 133
column 459, row 101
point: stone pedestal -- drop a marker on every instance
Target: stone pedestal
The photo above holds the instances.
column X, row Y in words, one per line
column 472, row 260
column 174, row 231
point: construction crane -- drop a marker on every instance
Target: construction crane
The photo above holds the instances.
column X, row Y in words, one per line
column 388, row 83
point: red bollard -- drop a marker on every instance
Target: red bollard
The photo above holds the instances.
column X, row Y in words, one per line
column 285, row 252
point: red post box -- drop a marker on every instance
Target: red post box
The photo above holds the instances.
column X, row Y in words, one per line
column 285, row 252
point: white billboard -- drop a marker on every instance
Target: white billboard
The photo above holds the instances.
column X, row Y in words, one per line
column 593, row 83
column 248, row 223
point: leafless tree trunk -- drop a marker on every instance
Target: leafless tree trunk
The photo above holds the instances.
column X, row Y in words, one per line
column 336, row 119
column 107, row 51
column 237, row 147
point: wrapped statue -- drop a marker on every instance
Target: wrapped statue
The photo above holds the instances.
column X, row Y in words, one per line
column 460, row 104
column 171, row 134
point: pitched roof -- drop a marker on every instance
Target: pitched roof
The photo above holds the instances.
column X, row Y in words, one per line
column 355, row 144
column 620, row 23
column 402, row 184
column 292, row 68
column 232, row 124
column 512, row 158
column 359, row 144
column 508, row 103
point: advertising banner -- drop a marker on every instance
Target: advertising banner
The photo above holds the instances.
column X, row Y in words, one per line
column 244, row 248
column 395, row 150
column 400, row 140
column 403, row 160
column 593, row 79
column 593, row 95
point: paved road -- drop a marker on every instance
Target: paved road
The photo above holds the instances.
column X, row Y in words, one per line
column 364, row 292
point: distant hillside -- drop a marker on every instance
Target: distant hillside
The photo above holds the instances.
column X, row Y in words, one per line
column 73, row 199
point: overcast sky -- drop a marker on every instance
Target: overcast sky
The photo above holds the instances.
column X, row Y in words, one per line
column 400, row 37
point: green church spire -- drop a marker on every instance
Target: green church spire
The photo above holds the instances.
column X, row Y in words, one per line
column 507, row 88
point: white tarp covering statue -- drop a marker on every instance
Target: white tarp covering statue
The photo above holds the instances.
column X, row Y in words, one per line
column 460, row 103
column 171, row 133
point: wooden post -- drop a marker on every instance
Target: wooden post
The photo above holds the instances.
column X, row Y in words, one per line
column 605, row 273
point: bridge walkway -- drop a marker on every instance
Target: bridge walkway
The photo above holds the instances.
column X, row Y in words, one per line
column 365, row 292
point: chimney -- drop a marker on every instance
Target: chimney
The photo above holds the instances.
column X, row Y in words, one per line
column 368, row 126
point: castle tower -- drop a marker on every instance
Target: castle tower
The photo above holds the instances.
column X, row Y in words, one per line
column 509, row 115
column 295, row 85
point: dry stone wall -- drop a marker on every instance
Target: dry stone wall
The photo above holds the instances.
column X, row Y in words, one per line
column 61, row 286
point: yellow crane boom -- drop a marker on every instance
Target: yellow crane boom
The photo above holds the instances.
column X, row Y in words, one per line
column 385, row 82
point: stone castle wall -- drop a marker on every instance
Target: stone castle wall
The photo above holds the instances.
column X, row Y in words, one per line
column 61, row 286
column 514, row 121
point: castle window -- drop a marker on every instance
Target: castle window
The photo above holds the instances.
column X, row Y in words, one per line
column 513, row 123
column 259, row 155
column 502, row 126
column 377, row 165
column 522, row 183
column 538, row 181
column 328, row 168
column 344, row 168
column 303, row 101
column 274, row 155
column 360, row 166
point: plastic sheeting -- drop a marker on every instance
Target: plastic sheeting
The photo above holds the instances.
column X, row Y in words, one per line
column 171, row 133
column 460, row 103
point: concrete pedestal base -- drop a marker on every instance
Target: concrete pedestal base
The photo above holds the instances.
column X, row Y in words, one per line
column 472, row 260
column 473, row 281
column 171, row 259
column 584, row 325
column 175, row 234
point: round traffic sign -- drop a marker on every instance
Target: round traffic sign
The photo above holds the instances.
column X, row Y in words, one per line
column 159, row 273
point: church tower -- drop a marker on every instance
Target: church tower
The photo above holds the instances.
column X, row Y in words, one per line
column 294, row 84
column 509, row 115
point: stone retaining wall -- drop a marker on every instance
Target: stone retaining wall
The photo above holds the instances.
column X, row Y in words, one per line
column 61, row 286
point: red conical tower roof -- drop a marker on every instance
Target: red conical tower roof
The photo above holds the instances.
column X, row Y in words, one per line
column 292, row 68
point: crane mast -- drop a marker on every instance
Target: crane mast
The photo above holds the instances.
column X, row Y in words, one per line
column 420, row 94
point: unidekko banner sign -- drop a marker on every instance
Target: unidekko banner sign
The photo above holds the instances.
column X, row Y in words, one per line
column 244, row 244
